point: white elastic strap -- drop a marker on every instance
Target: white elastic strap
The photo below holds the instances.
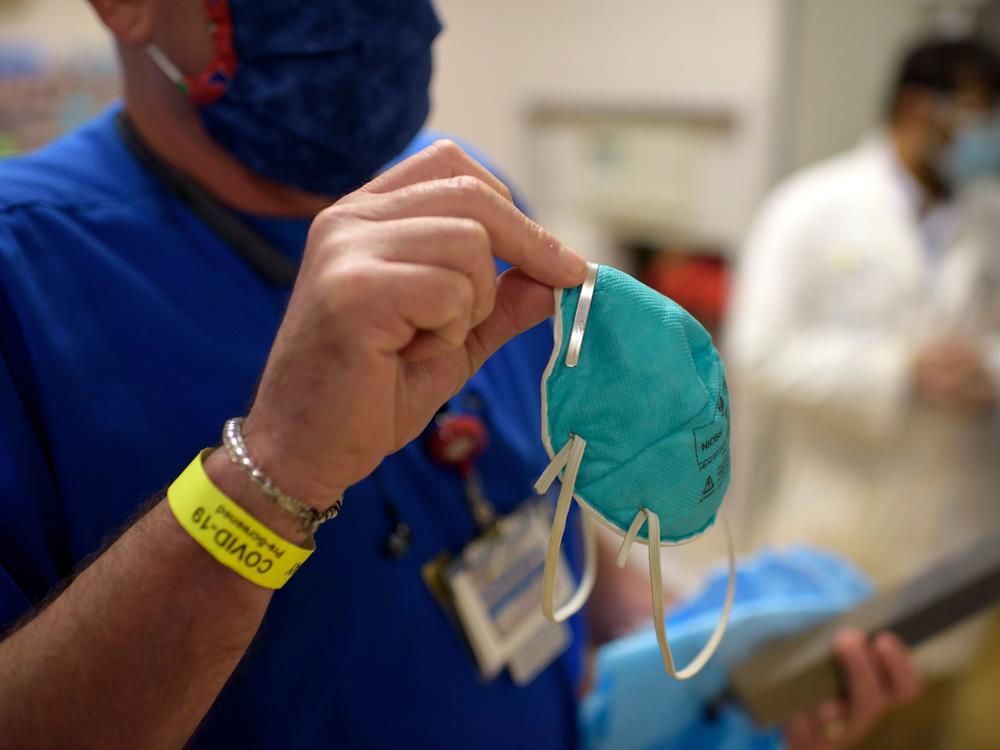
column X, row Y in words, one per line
column 633, row 530
column 571, row 457
column 656, row 586
column 165, row 65
column 548, row 476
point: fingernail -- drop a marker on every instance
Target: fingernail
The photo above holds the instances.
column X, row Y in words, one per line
column 850, row 637
column 572, row 262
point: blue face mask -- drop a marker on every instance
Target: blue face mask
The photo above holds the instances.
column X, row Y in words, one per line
column 635, row 416
column 973, row 154
column 316, row 95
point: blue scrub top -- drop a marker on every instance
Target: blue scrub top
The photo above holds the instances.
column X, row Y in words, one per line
column 128, row 333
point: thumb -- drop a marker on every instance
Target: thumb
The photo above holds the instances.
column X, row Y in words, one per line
column 521, row 303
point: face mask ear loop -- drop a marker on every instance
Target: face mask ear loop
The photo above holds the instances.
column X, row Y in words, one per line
column 567, row 610
column 656, row 587
column 633, row 530
column 548, row 476
column 167, row 67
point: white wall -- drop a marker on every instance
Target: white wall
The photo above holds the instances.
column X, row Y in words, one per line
column 496, row 58
column 844, row 53
column 61, row 27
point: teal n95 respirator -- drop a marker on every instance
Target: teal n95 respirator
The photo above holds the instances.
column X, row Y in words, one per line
column 635, row 417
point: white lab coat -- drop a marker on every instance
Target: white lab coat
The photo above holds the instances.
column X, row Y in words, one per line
column 835, row 296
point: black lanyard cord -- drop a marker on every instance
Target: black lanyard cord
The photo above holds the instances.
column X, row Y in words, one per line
column 268, row 262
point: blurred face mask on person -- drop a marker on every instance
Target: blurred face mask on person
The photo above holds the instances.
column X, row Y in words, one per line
column 314, row 94
column 965, row 144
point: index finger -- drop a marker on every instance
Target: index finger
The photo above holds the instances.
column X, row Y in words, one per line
column 514, row 237
column 865, row 694
column 898, row 666
column 441, row 160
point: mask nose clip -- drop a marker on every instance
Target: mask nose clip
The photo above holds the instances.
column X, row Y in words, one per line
column 582, row 313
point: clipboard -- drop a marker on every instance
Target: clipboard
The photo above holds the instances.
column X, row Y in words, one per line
column 791, row 675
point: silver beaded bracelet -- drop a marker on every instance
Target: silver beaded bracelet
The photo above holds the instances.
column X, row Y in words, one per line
column 236, row 449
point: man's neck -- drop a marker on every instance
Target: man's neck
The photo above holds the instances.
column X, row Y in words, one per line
column 173, row 130
column 909, row 153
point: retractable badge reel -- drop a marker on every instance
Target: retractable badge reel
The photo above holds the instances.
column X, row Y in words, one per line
column 456, row 441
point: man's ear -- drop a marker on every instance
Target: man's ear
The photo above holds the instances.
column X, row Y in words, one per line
column 131, row 21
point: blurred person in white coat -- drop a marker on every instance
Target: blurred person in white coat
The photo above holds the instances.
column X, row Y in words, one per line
column 866, row 323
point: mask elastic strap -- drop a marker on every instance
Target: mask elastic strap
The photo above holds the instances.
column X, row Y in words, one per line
column 551, row 472
column 168, row 68
column 570, row 457
column 633, row 530
column 211, row 82
column 656, row 587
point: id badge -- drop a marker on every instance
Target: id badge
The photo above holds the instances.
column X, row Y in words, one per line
column 495, row 588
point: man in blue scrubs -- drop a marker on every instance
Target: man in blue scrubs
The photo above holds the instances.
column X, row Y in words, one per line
column 132, row 326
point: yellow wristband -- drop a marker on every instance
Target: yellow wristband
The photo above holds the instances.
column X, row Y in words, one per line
column 230, row 534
